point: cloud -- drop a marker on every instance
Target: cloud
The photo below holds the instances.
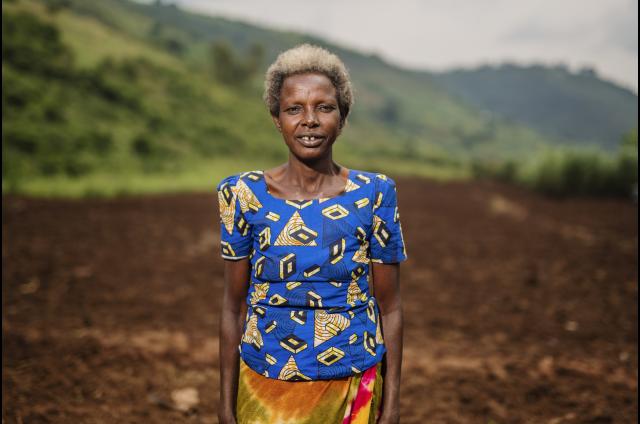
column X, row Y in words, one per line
column 623, row 27
column 440, row 34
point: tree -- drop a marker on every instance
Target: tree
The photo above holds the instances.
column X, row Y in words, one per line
column 231, row 70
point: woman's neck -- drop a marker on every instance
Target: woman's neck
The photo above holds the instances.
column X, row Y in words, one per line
column 297, row 179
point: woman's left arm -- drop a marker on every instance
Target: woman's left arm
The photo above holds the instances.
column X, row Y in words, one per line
column 386, row 281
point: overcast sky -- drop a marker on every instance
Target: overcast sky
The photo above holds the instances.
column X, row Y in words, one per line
column 440, row 34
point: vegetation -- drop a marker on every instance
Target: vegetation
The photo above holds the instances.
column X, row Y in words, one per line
column 563, row 172
column 115, row 97
column 228, row 69
column 128, row 116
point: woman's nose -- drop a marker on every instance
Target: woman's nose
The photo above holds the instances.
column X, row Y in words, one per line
column 310, row 118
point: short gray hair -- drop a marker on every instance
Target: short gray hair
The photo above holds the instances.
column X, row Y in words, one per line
column 302, row 59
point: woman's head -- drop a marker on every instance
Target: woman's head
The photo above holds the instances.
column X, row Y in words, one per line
column 307, row 59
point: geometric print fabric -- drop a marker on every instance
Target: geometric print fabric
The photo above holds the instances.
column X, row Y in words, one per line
column 311, row 315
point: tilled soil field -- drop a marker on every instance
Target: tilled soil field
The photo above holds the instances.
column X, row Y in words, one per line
column 518, row 308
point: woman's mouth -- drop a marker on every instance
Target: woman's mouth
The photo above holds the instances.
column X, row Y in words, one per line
column 310, row 140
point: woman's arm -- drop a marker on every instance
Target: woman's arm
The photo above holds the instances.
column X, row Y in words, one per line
column 386, row 280
column 234, row 307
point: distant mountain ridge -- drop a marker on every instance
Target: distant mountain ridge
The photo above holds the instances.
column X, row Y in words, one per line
column 576, row 108
column 127, row 86
column 555, row 101
column 570, row 108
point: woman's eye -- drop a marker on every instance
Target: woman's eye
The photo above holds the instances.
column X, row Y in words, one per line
column 326, row 108
column 293, row 109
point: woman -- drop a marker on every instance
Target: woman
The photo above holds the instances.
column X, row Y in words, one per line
column 302, row 338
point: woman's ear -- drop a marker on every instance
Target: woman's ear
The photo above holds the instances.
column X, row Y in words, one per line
column 276, row 120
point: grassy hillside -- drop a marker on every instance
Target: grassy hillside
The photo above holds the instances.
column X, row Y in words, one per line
column 137, row 114
column 112, row 96
column 559, row 103
column 419, row 116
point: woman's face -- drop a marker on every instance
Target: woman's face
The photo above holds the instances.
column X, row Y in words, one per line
column 309, row 117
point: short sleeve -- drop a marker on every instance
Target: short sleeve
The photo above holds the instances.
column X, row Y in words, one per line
column 387, row 241
column 235, row 230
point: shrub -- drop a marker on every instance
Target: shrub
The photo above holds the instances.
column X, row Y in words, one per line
column 571, row 172
column 31, row 45
column 566, row 172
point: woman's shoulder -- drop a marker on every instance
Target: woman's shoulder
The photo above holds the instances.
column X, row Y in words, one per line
column 378, row 180
column 244, row 176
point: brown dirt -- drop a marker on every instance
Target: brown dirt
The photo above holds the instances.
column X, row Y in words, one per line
column 518, row 308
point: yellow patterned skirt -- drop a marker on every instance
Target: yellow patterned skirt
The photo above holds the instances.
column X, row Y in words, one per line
column 348, row 400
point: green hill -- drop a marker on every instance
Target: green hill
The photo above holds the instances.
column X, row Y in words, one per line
column 553, row 100
column 421, row 118
column 113, row 96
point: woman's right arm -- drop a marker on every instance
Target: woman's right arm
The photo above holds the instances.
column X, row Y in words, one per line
column 234, row 307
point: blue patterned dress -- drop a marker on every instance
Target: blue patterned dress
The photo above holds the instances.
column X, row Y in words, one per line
column 310, row 314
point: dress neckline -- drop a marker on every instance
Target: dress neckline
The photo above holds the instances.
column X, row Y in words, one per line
column 342, row 193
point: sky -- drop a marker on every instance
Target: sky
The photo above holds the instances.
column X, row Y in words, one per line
column 438, row 35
